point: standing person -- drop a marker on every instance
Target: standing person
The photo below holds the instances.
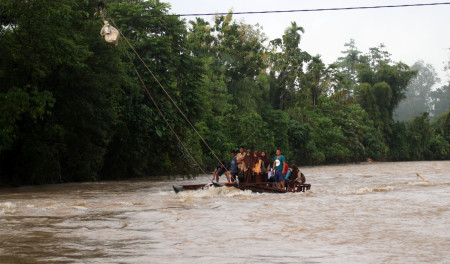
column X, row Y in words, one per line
column 240, row 160
column 278, row 164
column 266, row 162
column 258, row 168
column 249, row 163
column 233, row 166
column 222, row 168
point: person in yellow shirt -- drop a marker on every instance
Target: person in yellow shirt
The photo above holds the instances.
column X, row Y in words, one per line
column 258, row 168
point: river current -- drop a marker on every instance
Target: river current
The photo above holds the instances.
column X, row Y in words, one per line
column 354, row 213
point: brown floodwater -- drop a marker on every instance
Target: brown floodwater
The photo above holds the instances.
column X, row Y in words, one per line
column 354, row 213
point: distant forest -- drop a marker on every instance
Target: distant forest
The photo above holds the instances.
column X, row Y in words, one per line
column 73, row 109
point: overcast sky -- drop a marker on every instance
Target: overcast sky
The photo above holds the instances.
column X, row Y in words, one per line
column 410, row 33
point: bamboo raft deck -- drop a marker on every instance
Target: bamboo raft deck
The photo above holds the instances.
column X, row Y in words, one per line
column 269, row 188
column 264, row 187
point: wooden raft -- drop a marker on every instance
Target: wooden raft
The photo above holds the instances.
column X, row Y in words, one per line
column 269, row 188
column 254, row 187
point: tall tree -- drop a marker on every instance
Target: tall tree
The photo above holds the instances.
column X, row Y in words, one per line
column 319, row 79
column 418, row 93
column 440, row 100
column 286, row 66
column 346, row 63
column 64, row 120
column 377, row 67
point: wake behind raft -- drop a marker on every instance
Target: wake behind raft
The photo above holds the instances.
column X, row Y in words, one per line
column 265, row 187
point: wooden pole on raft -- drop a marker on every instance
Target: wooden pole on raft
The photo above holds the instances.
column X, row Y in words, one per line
column 421, row 177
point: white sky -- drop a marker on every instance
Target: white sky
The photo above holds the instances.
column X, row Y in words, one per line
column 410, row 33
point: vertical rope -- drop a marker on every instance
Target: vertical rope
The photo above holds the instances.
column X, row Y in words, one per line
column 161, row 113
column 168, row 95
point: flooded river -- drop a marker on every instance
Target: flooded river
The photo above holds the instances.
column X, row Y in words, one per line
column 355, row 213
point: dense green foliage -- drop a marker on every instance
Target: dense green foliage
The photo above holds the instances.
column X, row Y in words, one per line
column 73, row 109
column 422, row 95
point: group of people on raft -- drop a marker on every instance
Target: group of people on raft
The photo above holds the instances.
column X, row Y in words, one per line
column 248, row 167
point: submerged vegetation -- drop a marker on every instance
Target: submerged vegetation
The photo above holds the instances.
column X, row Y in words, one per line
column 73, row 109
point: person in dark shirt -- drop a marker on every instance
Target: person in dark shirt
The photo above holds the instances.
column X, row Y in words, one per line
column 297, row 177
column 266, row 162
column 249, row 163
column 222, row 168
column 233, row 166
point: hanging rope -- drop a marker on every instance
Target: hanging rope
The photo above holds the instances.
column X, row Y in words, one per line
column 156, row 105
column 161, row 113
column 168, row 95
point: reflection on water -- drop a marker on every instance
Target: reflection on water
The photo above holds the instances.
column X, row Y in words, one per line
column 365, row 213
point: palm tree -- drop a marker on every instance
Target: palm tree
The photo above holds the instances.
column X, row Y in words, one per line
column 291, row 37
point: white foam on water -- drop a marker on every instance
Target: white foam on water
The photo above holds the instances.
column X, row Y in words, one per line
column 165, row 193
column 383, row 189
column 307, row 193
column 427, row 184
column 213, row 192
column 7, row 205
column 48, row 204
column 80, row 207
column 7, row 208
column 417, row 183
column 364, row 190
column 123, row 203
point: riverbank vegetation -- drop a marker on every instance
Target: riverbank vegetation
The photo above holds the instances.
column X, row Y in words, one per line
column 73, row 109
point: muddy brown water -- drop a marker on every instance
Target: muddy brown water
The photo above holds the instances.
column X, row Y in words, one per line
column 354, row 213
